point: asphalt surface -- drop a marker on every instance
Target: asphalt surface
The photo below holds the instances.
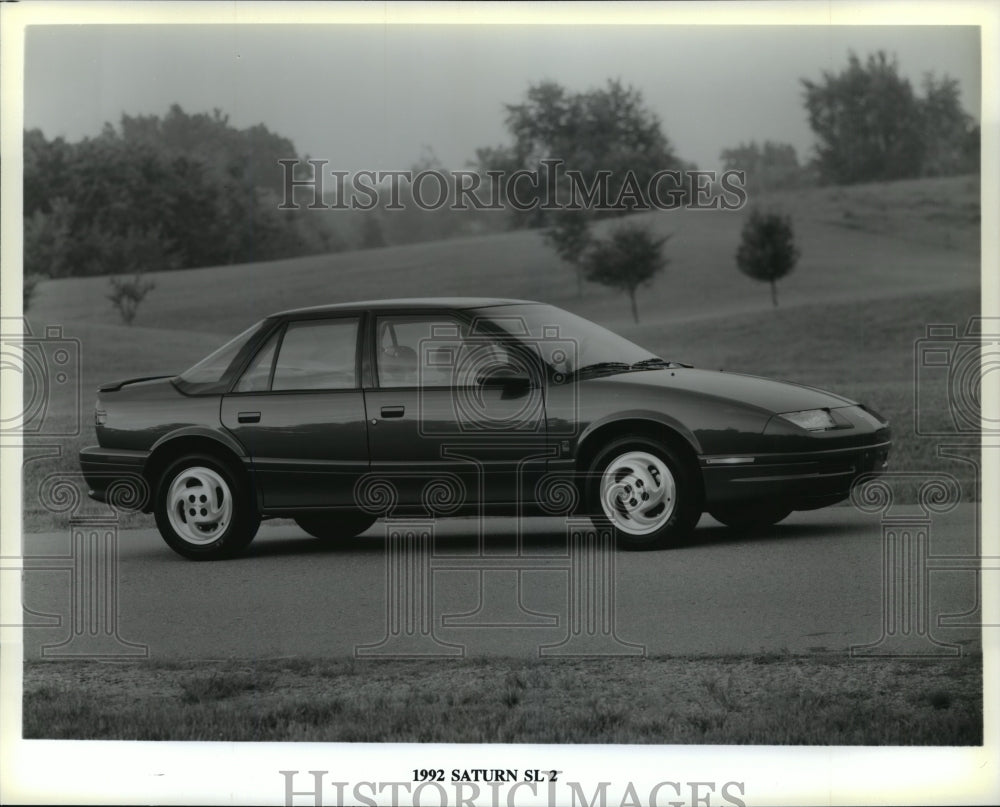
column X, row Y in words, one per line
column 814, row 583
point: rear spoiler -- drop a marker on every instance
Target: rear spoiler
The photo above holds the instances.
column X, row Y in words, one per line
column 117, row 385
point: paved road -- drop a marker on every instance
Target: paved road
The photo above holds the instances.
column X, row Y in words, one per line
column 812, row 583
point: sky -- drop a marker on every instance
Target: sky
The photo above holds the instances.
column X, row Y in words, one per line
column 374, row 96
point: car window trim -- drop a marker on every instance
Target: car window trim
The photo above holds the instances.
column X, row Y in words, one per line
column 274, row 358
column 465, row 316
column 413, row 313
column 271, row 333
column 232, row 374
column 283, row 324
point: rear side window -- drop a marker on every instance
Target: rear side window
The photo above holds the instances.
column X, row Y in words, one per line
column 214, row 373
column 317, row 354
column 257, row 376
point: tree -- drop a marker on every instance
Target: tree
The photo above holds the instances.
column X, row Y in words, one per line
column 371, row 232
column 872, row 126
column 569, row 236
column 28, row 289
column 767, row 251
column 771, row 166
column 604, row 129
column 951, row 138
column 629, row 258
column 194, row 183
column 47, row 240
column 868, row 122
column 412, row 223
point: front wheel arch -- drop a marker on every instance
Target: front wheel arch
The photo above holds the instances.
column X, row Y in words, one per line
column 594, row 442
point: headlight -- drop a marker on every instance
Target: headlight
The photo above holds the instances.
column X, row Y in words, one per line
column 813, row 420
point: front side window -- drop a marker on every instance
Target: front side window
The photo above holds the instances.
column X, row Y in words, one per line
column 317, row 354
column 434, row 351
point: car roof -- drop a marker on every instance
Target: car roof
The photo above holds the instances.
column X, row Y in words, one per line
column 407, row 303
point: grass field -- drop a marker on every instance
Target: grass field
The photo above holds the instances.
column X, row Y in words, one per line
column 763, row 700
column 879, row 263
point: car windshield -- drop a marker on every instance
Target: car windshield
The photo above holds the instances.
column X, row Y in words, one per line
column 210, row 372
column 566, row 342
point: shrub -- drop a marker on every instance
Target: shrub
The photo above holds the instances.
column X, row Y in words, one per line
column 127, row 294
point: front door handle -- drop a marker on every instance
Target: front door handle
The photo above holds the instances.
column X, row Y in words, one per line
column 393, row 411
column 248, row 417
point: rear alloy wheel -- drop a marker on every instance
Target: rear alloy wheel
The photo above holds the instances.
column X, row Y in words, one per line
column 204, row 510
column 644, row 492
column 750, row 516
column 331, row 526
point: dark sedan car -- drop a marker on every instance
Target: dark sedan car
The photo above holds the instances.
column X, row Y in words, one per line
column 339, row 414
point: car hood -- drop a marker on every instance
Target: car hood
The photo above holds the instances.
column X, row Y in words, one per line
column 763, row 393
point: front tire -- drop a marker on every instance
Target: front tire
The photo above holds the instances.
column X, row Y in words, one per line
column 645, row 492
column 332, row 526
column 204, row 508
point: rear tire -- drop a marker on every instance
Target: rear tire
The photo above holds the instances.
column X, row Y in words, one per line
column 751, row 516
column 333, row 526
column 204, row 508
column 644, row 491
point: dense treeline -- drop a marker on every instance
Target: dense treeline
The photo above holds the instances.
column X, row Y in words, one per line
column 189, row 190
column 161, row 193
column 871, row 126
column 769, row 166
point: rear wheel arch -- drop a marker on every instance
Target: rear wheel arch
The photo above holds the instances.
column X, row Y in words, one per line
column 186, row 445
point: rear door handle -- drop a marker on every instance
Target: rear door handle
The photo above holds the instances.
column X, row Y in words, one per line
column 393, row 411
column 248, row 417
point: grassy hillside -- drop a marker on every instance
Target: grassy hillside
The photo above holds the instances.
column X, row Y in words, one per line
column 861, row 295
column 883, row 252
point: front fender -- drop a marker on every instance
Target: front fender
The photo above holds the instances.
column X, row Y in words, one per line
column 639, row 416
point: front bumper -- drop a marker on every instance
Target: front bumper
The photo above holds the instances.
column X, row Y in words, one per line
column 803, row 481
column 115, row 475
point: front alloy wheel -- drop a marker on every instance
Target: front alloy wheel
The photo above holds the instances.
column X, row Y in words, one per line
column 645, row 492
column 638, row 493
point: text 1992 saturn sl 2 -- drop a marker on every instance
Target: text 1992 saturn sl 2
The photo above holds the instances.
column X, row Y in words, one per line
column 339, row 414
